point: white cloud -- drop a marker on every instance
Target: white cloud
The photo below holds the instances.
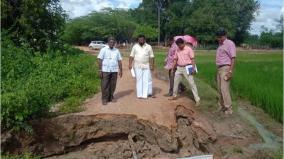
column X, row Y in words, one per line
column 269, row 13
column 76, row 8
column 270, row 10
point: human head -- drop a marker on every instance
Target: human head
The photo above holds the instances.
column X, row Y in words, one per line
column 180, row 43
column 221, row 35
column 111, row 42
column 141, row 39
column 171, row 41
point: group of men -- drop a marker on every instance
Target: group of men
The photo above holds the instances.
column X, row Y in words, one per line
column 180, row 62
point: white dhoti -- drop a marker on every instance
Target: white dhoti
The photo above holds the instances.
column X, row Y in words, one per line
column 143, row 82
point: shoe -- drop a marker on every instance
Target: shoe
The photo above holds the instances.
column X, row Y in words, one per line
column 173, row 98
column 104, row 102
column 222, row 109
column 197, row 103
column 228, row 112
column 112, row 100
column 152, row 96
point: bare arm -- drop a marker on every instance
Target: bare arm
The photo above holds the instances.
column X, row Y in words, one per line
column 152, row 63
column 120, row 68
column 232, row 64
column 230, row 73
column 130, row 62
column 100, row 68
column 100, row 61
column 175, row 64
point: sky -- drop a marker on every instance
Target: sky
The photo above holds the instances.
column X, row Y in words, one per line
column 269, row 12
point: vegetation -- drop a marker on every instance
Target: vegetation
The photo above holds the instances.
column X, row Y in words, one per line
column 31, row 84
column 26, row 155
column 200, row 18
column 267, row 38
column 37, row 23
column 257, row 77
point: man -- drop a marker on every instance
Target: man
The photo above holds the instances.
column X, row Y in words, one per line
column 184, row 56
column 169, row 65
column 225, row 61
column 109, row 64
column 143, row 57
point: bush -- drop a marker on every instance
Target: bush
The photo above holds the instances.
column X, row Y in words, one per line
column 32, row 83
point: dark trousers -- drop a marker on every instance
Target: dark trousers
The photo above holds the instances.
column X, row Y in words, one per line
column 181, row 87
column 108, row 85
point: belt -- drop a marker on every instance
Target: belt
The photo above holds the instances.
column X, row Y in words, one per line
column 223, row 65
column 183, row 65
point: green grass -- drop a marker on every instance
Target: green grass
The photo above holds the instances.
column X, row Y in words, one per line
column 258, row 77
column 26, row 155
column 32, row 82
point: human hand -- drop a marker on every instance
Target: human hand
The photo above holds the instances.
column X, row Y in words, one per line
column 151, row 67
column 120, row 74
column 101, row 74
column 228, row 76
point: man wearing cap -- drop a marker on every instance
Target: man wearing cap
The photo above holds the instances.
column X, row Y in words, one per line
column 184, row 56
column 225, row 61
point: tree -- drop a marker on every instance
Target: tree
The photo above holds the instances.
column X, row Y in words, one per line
column 149, row 32
column 99, row 26
column 36, row 22
column 199, row 17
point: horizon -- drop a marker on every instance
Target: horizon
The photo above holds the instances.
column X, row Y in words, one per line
column 267, row 15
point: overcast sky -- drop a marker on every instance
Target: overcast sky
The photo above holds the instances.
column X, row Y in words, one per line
column 270, row 10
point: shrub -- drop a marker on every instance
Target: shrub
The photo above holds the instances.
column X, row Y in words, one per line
column 32, row 82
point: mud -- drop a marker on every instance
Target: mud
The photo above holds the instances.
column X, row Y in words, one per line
column 115, row 136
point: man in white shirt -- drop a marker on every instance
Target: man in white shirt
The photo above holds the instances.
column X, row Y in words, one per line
column 143, row 57
column 110, row 65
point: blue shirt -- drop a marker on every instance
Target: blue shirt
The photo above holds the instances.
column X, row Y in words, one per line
column 110, row 58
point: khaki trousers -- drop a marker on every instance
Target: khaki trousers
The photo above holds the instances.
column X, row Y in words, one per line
column 181, row 71
column 224, row 88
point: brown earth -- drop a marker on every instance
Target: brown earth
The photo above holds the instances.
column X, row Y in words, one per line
column 131, row 127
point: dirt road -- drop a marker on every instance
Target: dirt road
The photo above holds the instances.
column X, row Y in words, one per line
column 158, row 110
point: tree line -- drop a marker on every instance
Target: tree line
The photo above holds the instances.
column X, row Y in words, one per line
column 200, row 18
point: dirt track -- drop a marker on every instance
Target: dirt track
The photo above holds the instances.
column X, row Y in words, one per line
column 158, row 110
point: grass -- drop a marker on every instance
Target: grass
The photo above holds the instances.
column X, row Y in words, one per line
column 26, row 155
column 258, row 77
column 32, row 82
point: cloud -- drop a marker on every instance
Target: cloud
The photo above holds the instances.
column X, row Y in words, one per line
column 268, row 15
column 269, row 12
column 77, row 8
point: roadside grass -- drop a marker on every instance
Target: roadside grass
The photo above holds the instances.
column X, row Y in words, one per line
column 257, row 77
column 26, row 155
column 32, row 82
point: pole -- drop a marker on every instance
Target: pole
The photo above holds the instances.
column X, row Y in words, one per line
column 159, row 30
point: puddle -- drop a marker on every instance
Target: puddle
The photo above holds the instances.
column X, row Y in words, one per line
column 271, row 141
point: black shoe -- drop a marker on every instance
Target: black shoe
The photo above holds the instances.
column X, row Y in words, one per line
column 104, row 102
column 168, row 95
column 152, row 96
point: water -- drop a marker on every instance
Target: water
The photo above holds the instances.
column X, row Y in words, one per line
column 271, row 141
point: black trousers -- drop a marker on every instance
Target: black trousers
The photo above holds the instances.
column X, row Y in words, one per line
column 108, row 85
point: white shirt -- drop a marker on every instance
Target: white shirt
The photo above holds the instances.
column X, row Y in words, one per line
column 110, row 59
column 142, row 55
